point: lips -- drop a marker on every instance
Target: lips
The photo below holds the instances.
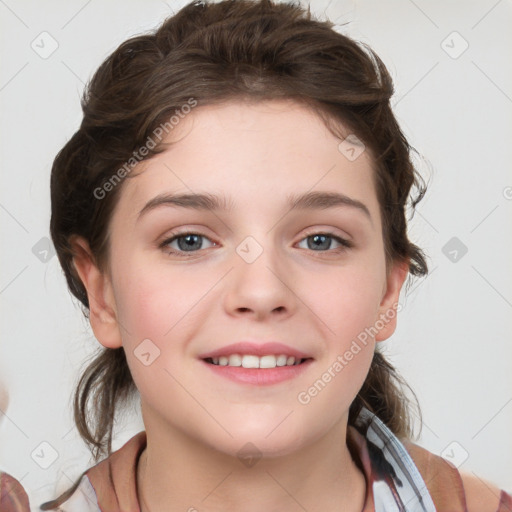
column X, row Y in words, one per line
column 257, row 364
column 256, row 349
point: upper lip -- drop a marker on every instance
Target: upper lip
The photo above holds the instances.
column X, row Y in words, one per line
column 257, row 349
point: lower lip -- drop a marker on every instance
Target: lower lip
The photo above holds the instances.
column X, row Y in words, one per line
column 259, row 376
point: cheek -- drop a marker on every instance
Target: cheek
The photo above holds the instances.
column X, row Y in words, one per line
column 347, row 308
column 347, row 300
column 159, row 309
column 346, row 303
column 154, row 301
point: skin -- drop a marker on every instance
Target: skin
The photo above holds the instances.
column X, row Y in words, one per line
column 315, row 300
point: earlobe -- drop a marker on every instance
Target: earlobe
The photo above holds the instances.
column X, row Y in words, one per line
column 102, row 308
column 389, row 303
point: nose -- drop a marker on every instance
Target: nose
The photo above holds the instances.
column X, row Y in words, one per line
column 260, row 289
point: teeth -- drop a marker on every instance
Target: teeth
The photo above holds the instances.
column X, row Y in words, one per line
column 235, row 360
column 252, row 361
column 281, row 360
column 268, row 362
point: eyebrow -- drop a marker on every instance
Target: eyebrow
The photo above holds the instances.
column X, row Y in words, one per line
column 210, row 202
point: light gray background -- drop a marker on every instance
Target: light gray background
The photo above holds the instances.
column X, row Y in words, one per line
column 453, row 342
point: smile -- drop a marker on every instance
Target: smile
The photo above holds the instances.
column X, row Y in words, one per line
column 251, row 370
column 253, row 361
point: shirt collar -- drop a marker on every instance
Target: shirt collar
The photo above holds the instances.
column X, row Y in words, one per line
column 393, row 483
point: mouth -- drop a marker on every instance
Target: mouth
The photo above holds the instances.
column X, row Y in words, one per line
column 257, row 364
column 253, row 361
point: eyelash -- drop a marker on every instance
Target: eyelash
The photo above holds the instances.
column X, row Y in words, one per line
column 345, row 244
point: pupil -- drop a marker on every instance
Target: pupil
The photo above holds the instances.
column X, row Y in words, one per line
column 190, row 242
column 321, row 241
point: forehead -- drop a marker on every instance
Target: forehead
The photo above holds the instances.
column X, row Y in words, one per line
column 252, row 153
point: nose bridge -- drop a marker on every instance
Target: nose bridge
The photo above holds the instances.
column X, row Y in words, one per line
column 259, row 278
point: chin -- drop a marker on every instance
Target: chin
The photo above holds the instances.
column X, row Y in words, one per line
column 265, row 439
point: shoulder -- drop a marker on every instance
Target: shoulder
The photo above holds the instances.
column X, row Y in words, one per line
column 448, row 485
column 13, row 497
column 482, row 495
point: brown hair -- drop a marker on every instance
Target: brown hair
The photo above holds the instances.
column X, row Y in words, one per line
column 213, row 53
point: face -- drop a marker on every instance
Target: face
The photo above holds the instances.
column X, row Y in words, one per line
column 187, row 281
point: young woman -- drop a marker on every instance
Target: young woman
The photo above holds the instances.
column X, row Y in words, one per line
column 232, row 215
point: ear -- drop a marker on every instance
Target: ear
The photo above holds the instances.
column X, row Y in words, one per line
column 102, row 307
column 389, row 303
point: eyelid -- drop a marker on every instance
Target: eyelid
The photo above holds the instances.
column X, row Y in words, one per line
column 332, row 232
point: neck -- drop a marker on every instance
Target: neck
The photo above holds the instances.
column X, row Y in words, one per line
column 176, row 473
